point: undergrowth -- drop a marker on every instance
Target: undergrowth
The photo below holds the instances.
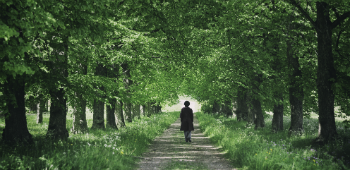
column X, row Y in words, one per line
column 99, row 149
column 262, row 149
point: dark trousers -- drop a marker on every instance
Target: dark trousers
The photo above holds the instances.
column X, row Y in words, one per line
column 187, row 135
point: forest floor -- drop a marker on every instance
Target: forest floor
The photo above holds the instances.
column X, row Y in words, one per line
column 170, row 151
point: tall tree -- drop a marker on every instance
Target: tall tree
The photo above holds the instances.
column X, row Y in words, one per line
column 326, row 73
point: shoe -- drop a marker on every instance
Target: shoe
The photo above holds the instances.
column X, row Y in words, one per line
column 190, row 140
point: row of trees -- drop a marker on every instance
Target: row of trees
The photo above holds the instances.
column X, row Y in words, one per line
column 80, row 54
column 287, row 57
column 97, row 53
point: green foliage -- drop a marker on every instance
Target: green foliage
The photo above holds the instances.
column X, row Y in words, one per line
column 96, row 150
column 250, row 149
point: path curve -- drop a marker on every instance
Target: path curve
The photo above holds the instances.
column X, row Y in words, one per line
column 170, row 151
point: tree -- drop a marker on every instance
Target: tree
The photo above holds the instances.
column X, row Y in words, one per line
column 326, row 73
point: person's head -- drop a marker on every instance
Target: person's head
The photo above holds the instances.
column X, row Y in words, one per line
column 187, row 103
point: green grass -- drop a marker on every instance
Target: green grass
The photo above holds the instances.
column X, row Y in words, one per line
column 262, row 149
column 100, row 149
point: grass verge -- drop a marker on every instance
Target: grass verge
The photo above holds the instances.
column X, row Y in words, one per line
column 100, row 149
column 262, row 149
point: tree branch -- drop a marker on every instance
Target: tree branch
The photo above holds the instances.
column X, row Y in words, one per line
column 340, row 19
column 303, row 12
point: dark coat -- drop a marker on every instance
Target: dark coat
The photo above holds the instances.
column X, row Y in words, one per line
column 186, row 116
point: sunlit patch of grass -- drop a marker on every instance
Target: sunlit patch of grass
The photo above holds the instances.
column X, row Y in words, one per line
column 100, row 149
column 263, row 149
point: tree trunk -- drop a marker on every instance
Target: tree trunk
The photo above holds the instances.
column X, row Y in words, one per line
column 242, row 104
column 257, row 111
column 158, row 108
column 110, row 114
column 79, row 116
column 98, row 121
column 326, row 74
column 226, row 109
column 120, row 115
column 136, row 111
column 79, row 111
column 58, row 110
column 46, row 106
column 296, row 94
column 58, row 113
column 128, row 112
column 39, row 115
column 16, row 130
column 250, row 113
column 98, row 106
column 150, row 108
column 234, row 107
column 143, row 110
column 277, row 119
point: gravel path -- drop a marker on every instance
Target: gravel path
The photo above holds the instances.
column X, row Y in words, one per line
column 170, row 151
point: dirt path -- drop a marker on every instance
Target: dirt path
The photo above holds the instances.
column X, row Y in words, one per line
column 170, row 151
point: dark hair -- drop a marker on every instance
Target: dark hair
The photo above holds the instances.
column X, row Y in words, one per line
column 187, row 103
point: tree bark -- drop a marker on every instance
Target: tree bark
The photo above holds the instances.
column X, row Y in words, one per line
column 79, row 116
column 16, row 130
column 296, row 94
column 111, row 123
column 58, row 113
column 98, row 106
column 120, row 115
column 326, row 74
column 277, row 119
column 39, row 115
column 257, row 111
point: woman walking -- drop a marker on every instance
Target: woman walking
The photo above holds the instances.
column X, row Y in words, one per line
column 186, row 116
